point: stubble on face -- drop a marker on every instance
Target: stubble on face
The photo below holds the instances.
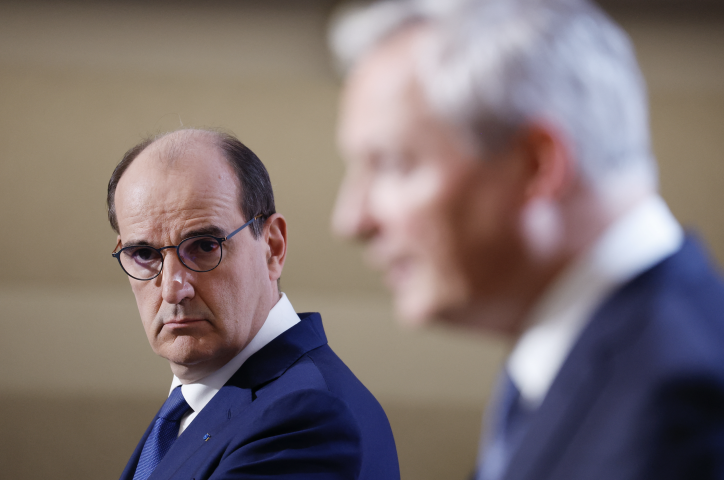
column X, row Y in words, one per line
column 196, row 320
column 179, row 332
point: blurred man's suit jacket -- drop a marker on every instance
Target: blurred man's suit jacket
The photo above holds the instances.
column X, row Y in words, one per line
column 293, row 410
column 641, row 393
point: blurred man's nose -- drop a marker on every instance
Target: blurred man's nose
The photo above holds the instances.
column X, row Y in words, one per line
column 175, row 280
column 352, row 218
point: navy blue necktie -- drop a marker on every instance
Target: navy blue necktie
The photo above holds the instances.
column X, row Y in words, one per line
column 506, row 425
column 163, row 434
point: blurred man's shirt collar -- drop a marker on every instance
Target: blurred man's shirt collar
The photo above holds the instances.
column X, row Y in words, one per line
column 281, row 318
column 634, row 243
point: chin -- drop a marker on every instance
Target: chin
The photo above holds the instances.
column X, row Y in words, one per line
column 186, row 359
column 183, row 350
column 419, row 309
column 436, row 288
column 411, row 318
column 453, row 310
column 487, row 316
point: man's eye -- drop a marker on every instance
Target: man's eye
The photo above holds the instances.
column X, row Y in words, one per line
column 207, row 246
column 143, row 254
column 201, row 246
column 396, row 164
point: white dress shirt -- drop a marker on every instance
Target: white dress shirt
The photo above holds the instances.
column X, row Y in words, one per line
column 637, row 241
column 281, row 318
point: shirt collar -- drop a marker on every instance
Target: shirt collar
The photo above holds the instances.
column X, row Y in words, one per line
column 632, row 244
column 281, row 318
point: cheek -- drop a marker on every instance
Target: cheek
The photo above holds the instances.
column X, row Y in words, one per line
column 219, row 299
column 148, row 299
column 231, row 293
column 141, row 301
column 409, row 204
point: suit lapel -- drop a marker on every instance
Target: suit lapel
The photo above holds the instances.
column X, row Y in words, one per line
column 584, row 374
column 553, row 425
column 281, row 353
column 235, row 397
column 226, row 404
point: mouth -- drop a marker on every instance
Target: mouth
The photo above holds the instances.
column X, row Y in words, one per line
column 397, row 272
column 396, row 265
column 175, row 323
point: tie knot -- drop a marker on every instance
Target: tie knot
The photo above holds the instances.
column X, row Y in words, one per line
column 174, row 407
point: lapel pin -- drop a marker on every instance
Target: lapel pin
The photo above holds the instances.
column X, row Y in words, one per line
column 206, row 437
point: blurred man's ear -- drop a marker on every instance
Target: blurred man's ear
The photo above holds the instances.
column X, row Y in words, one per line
column 548, row 164
column 546, row 176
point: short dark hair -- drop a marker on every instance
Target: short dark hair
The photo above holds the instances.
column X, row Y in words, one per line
column 256, row 197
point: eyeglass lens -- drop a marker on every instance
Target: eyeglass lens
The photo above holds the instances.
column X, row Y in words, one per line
column 200, row 254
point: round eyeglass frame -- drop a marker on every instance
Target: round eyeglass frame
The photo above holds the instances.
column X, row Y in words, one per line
column 220, row 240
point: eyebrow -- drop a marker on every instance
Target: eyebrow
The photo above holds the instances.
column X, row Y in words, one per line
column 211, row 230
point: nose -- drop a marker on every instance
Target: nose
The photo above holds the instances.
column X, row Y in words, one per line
column 352, row 218
column 175, row 285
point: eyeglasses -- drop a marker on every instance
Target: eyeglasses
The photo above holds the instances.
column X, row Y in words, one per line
column 201, row 253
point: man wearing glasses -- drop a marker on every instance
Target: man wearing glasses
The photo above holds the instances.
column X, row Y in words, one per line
column 256, row 392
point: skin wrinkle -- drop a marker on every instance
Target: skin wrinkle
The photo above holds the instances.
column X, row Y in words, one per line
column 224, row 308
column 416, row 193
column 454, row 228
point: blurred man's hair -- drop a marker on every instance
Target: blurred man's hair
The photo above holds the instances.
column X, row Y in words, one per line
column 491, row 66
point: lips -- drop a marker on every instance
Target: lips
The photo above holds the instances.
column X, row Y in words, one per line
column 397, row 272
column 396, row 264
column 182, row 322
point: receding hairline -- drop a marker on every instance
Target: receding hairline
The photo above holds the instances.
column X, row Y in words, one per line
column 408, row 41
column 166, row 150
column 172, row 146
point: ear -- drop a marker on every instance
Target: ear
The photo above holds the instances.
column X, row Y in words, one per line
column 548, row 174
column 275, row 236
column 547, row 161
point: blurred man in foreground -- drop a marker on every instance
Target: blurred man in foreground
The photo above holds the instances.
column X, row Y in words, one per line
column 499, row 170
column 257, row 392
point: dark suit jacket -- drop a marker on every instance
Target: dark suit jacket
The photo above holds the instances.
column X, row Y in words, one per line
column 641, row 395
column 293, row 410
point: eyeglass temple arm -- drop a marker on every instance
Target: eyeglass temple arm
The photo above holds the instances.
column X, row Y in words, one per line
column 241, row 227
column 114, row 253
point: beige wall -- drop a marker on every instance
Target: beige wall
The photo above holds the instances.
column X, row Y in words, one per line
column 83, row 82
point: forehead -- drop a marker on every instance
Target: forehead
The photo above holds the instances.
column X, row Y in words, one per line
column 385, row 110
column 382, row 78
column 382, row 101
column 176, row 184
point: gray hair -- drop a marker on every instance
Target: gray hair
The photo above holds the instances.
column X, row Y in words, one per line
column 491, row 66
